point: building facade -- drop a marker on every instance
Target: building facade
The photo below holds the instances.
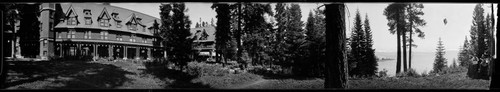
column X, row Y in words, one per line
column 204, row 42
column 98, row 30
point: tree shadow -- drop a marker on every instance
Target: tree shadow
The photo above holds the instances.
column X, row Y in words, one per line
column 180, row 79
column 68, row 74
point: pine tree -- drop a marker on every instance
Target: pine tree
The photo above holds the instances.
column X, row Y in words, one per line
column 395, row 15
column 414, row 12
column 177, row 32
column 223, row 34
column 315, row 31
column 370, row 58
column 439, row 61
column 464, row 59
column 356, row 44
column 454, row 64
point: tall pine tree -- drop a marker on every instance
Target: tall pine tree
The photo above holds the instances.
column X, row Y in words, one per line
column 176, row 28
column 370, row 58
column 439, row 61
column 356, row 44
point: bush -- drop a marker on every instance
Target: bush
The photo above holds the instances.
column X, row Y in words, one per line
column 409, row 73
column 424, row 74
column 228, row 80
column 451, row 70
column 203, row 69
column 382, row 73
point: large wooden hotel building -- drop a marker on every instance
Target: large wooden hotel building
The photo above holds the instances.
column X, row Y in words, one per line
column 98, row 30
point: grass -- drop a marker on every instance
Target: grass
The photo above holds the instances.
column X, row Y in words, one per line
column 77, row 74
column 447, row 81
column 127, row 75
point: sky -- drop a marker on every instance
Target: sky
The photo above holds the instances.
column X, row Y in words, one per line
column 459, row 16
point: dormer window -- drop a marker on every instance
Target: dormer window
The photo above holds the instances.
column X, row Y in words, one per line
column 104, row 19
column 71, row 16
column 133, row 27
column 117, row 19
column 72, row 21
column 104, row 23
column 88, row 16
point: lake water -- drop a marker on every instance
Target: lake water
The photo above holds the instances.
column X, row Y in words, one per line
column 421, row 61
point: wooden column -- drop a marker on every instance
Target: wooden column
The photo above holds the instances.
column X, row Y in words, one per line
column 95, row 50
column 110, row 51
column 149, row 53
column 125, row 53
column 137, row 51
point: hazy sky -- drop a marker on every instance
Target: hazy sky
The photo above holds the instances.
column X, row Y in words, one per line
column 459, row 16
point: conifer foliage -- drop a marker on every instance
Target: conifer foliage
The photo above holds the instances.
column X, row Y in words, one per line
column 439, row 61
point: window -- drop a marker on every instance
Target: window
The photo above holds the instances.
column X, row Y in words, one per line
column 72, row 21
column 132, row 38
column 119, row 37
column 118, row 24
column 73, row 34
column 104, row 35
column 88, row 21
column 86, row 35
column 104, row 22
column 133, row 27
column 59, row 35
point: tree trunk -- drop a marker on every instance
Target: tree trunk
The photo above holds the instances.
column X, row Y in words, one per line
column 336, row 66
column 411, row 40
column 398, row 59
column 494, row 76
column 405, row 68
column 238, row 38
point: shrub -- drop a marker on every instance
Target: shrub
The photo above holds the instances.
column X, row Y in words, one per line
column 203, row 69
column 424, row 74
column 409, row 73
column 227, row 80
column 382, row 73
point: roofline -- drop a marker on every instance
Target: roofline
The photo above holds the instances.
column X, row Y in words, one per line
column 132, row 10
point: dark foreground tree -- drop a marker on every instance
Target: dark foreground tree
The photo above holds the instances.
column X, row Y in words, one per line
column 336, row 66
column 222, row 33
column 439, row 60
column 495, row 82
column 176, row 33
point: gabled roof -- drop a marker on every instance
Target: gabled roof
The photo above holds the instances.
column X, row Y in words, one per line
column 71, row 12
column 131, row 19
column 104, row 14
column 95, row 8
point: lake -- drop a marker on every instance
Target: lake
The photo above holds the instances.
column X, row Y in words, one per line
column 421, row 61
